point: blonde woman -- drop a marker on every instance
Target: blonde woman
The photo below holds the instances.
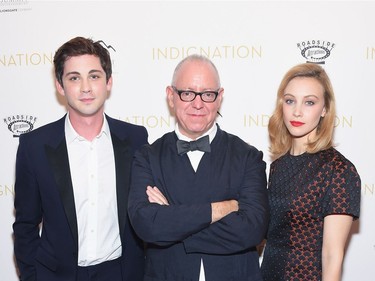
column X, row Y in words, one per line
column 314, row 191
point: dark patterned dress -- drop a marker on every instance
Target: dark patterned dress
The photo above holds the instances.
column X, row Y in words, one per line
column 302, row 191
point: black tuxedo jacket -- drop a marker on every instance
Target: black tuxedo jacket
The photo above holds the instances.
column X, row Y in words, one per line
column 181, row 234
column 44, row 195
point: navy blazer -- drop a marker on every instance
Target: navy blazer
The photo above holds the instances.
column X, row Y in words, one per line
column 181, row 234
column 44, row 195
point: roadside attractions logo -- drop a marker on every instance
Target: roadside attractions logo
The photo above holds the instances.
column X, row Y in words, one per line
column 315, row 51
column 105, row 45
column 110, row 48
column 20, row 124
column 13, row 6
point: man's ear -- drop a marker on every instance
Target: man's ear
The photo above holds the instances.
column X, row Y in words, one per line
column 169, row 91
column 59, row 88
column 220, row 97
column 109, row 84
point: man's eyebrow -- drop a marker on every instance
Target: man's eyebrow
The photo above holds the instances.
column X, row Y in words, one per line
column 72, row 72
column 77, row 73
column 96, row 70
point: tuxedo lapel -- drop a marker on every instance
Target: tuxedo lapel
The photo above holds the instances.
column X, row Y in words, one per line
column 123, row 158
column 57, row 155
column 59, row 162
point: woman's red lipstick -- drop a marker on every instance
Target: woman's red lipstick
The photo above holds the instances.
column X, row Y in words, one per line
column 296, row 123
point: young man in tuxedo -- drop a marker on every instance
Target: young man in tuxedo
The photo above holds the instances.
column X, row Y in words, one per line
column 73, row 177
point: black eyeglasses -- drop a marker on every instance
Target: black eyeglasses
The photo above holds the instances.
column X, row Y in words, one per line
column 188, row 95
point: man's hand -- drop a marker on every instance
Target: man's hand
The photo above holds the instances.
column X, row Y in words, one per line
column 223, row 208
column 155, row 196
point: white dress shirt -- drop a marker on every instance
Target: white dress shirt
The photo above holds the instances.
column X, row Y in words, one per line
column 195, row 158
column 92, row 168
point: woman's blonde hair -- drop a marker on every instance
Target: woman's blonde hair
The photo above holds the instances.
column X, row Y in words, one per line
column 280, row 138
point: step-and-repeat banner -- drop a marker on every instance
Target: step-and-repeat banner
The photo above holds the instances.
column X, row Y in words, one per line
column 253, row 43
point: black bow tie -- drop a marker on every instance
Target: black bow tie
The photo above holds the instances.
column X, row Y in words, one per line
column 202, row 144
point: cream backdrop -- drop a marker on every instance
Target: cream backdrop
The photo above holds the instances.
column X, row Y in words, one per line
column 253, row 43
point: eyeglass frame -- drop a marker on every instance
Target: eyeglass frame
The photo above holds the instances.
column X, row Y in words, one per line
column 179, row 92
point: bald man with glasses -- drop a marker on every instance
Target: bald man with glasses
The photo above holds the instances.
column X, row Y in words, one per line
column 198, row 194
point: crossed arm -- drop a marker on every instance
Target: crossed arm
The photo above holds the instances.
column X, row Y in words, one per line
column 217, row 227
column 218, row 209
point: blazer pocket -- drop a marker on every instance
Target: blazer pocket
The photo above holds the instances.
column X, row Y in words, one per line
column 46, row 259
